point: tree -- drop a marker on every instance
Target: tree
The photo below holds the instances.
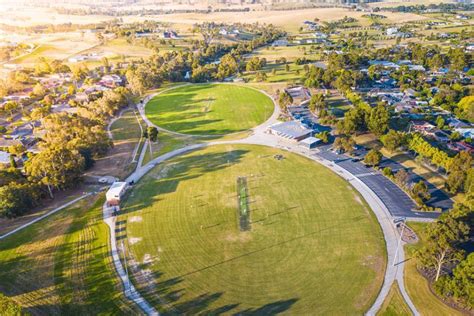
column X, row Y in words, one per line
column 458, row 169
column 459, row 285
column 55, row 168
column 401, row 177
column 420, row 192
column 393, row 140
column 39, row 90
column 354, row 120
column 317, row 103
column 442, row 246
column 152, row 133
column 13, row 162
column 373, row 158
column 387, row 171
column 378, row 119
column 284, row 100
column 323, row 136
column 227, row 67
column 16, row 199
column 344, row 143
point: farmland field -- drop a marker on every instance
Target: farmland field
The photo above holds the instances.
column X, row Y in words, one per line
column 309, row 249
column 209, row 109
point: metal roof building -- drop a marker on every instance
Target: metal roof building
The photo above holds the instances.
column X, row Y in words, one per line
column 291, row 130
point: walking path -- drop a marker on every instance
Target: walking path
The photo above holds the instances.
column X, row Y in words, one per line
column 129, row 290
column 45, row 215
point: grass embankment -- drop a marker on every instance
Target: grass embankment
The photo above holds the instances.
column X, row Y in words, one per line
column 394, row 304
column 308, row 236
column 209, row 109
column 61, row 265
column 122, row 158
column 426, row 302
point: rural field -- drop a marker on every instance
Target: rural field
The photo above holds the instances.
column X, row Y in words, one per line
column 209, row 109
column 307, row 248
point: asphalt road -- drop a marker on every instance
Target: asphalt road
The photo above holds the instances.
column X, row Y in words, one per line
column 398, row 203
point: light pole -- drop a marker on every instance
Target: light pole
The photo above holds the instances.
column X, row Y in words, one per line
column 396, row 221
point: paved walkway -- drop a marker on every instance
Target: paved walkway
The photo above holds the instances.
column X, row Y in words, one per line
column 45, row 215
column 129, row 290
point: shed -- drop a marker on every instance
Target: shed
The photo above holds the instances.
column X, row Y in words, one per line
column 115, row 193
column 310, row 142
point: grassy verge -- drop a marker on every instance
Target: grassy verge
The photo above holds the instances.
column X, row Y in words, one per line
column 61, row 265
column 417, row 286
column 394, row 304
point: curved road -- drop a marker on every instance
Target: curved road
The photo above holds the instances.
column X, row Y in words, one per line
column 394, row 269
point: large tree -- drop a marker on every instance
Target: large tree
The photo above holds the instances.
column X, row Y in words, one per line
column 378, row 119
column 317, row 103
column 442, row 247
column 55, row 168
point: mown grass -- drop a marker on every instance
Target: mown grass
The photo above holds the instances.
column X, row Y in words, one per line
column 426, row 302
column 394, row 304
column 209, row 109
column 61, row 265
column 314, row 246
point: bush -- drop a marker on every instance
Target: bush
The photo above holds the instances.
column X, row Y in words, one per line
column 387, row 171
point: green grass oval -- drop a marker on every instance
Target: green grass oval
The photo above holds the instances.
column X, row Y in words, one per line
column 314, row 247
column 209, row 109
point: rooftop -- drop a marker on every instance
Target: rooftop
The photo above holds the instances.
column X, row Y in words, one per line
column 291, row 129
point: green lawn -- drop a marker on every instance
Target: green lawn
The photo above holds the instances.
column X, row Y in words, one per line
column 209, row 109
column 61, row 265
column 426, row 302
column 394, row 304
column 314, row 247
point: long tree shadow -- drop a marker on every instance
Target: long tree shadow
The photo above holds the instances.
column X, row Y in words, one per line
column 274, row 308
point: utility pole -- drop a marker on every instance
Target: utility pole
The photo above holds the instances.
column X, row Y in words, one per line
column 399, row 220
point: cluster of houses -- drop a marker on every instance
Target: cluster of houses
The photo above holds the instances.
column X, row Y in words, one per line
column 407, row 103
column 18, row 130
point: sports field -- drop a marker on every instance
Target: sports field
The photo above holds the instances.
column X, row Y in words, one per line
column 312, row 245
column 209, row 109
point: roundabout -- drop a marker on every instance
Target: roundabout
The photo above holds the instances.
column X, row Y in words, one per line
column 209, row 109
column 312, row 242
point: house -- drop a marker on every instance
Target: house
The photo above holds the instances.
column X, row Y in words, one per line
column 292, row 130
column 4, row 159
column 115, row 193
column 441, row 136
column 458, row 124
column 392, row 31
column 63, row 108
column 466, row 132
column 422, row 127
column 7, row 142
column 111, row 81
column 280, row 42
column 461, row 146
column 298, row 92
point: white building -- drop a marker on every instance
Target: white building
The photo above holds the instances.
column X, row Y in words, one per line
column 115, row 193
